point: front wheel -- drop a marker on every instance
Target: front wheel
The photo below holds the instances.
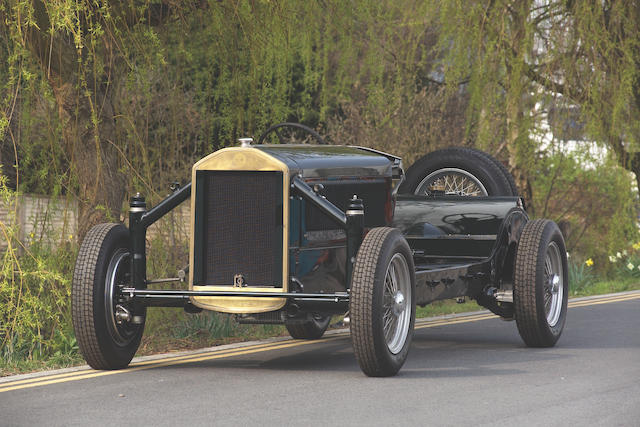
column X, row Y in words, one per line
column 382, row 302
column 105, row 338
column 541, row 284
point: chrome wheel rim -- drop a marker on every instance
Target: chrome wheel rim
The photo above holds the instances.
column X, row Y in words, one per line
column 397, row 303
column 121, row 333
column 453, row 182
column 553, row 284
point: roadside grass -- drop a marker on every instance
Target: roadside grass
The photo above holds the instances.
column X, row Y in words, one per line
column 606, row 287
column 440, row 308
column 170, row 330
column 22, row 366
column 174, row 330
column 66, row 355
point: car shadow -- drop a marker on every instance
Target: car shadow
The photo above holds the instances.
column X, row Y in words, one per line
column 429, row 357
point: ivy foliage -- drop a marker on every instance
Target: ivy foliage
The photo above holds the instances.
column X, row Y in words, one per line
column 100, row 99
column 155, row 86
column 521, row 60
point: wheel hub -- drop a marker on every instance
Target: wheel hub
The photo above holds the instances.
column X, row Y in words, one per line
column 554, row 283
column 121, row 323
column 398, row 303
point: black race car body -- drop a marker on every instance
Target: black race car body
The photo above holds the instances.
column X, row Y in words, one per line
column 293, row 234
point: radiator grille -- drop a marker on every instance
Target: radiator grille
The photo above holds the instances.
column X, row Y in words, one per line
column 240, row 227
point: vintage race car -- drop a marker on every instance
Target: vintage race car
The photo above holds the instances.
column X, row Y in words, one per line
column 296, row 233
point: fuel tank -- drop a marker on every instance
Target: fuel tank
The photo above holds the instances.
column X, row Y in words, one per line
column 451, row 226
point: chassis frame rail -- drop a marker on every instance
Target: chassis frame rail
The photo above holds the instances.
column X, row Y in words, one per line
column 335, row 302
column 170, row 293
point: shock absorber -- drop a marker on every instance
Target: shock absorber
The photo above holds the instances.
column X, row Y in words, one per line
column 355, row 230
column 137, row 237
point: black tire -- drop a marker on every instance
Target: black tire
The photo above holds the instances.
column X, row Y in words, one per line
column 379, row 355
column 101, row 264
column 505, row 172
column 487, row 175
column 541, row 284
column 310, row 330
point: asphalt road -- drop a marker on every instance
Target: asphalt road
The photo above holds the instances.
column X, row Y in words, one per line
column 469, row 370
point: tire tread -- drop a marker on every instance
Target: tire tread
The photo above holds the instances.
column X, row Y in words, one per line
column 361, row 314
column 372, row 355
column 530, row 318
column 498, row 180
column 82, row 295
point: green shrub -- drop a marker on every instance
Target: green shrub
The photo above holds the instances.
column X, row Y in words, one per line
column 214, row 325
column 35, row 285
column 581, row 277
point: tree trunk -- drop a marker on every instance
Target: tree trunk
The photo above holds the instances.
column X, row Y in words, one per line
column 95, row 163
column 519, row 145
column 87, row 116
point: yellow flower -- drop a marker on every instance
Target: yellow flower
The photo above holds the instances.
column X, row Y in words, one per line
column 70, row 236
column 636, row 246
column 589, row 262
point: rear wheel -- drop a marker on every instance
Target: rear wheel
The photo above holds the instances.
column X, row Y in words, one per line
column 459, row 171
column 382, row 304
column 312, row 329
column 541, row 284
column 105, row 340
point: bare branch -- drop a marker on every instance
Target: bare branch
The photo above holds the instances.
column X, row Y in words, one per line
column 544, row 81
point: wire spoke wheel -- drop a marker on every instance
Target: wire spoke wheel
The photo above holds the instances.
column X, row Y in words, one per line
column 451, row 182
column 398, row 313
column 553, row 286
column 458, row 171
column 540, row 284
column 382, row 303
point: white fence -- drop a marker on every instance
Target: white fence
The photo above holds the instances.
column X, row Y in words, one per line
column 39, row 219
column 53, row 221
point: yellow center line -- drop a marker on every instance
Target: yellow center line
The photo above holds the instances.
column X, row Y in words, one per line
column 257, row 348
column 146, row 362
column 608, row 298
column 455, row 321
column 604, row 300
column 159, row 364
column 191, row 356
column 450, row 319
